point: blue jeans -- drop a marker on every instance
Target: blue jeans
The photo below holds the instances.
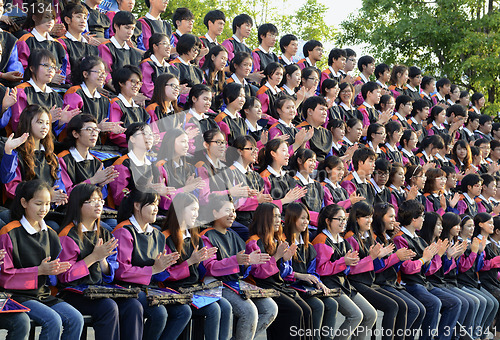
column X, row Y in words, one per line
column 53, row 318
column 472, row 302
column 416, row 311
column 164, row 322
column 218, row 319
column 16, row 324
column 437, row 300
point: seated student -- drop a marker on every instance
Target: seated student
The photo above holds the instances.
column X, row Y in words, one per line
column 35, row 158
column 441, row 157
column 366, row 67
column 471, row 188
column 188, row 48
column 240, row 67
column 495, row 131
column 152, row 23
column 215, row 77
column 484, row 128
column 285, row 106
column 278, row 182
column 363, row 162
column 89, row 76
column 234, row 97
column 337, row 128
column 335, row 255
column 90, row 249
column 471, row 125
column 402, row 111
column 488, row 192
column 375, row 136
column 11, row 72
column 456, row 115
column 262, row 55
column 313, row 52
column 336, row 62
column 494, row 157
column 127, row 81
column 427, row 87
column 450, row 187
column 242, row 27
column 137, row 40
column 182, row 236
column 350, row 64
column 78, row 165
column 346, row 101
column 399, row 77
column 289, row 45
column 252, row 113
column 116, row 51
column 386, row 105
column 394, row 131
column 243, row 156
column 484, row 147
column 295, row 229
column 314, row 111
column 173, row 167
column 443, row 86
column 98, row 23
column 163, row 109
column 230, row 264
column 30, row 245
column 408, row 143
column 353, row 133
column 267, row 237
column 269, row 91
column 291, row 81
column 330, row 91
column 428, row 149
column 461, row 158
column 155, row 62
column 331, row 173
column 396, row 184
column 379, row 180
column 371, row 94
column 135, row 169
column 142, row 268
column 434, row 191
column 214, row 20
column 183, row 20
column 360, row 236
column 383, row 75
column 41, row 22
column 309, row 83
column 413, row 272
column 464, row 98
column 74, row 17
column 317, row 196
column 413, row 85
column 418, row 117
column 453, row 97
column 477, row 101
column 435, row 122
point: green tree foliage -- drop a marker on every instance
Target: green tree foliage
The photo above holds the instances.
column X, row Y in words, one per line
column 307, row 23
column 456, row 39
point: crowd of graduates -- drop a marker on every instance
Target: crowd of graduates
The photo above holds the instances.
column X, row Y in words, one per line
column 136, row 153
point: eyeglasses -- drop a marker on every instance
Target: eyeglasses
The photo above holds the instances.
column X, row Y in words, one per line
column 423, row 216
column 49, row 67
column 313, row 79
column 145, row 134
column 94, row 202
column 174, row 86
column 340, row 219
column 195, row 49
column 99, row 73
column 219, row 142
column 92, row 130
column 382, row 173
column 136, row 83
column 320, row 50
column 251, row 149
